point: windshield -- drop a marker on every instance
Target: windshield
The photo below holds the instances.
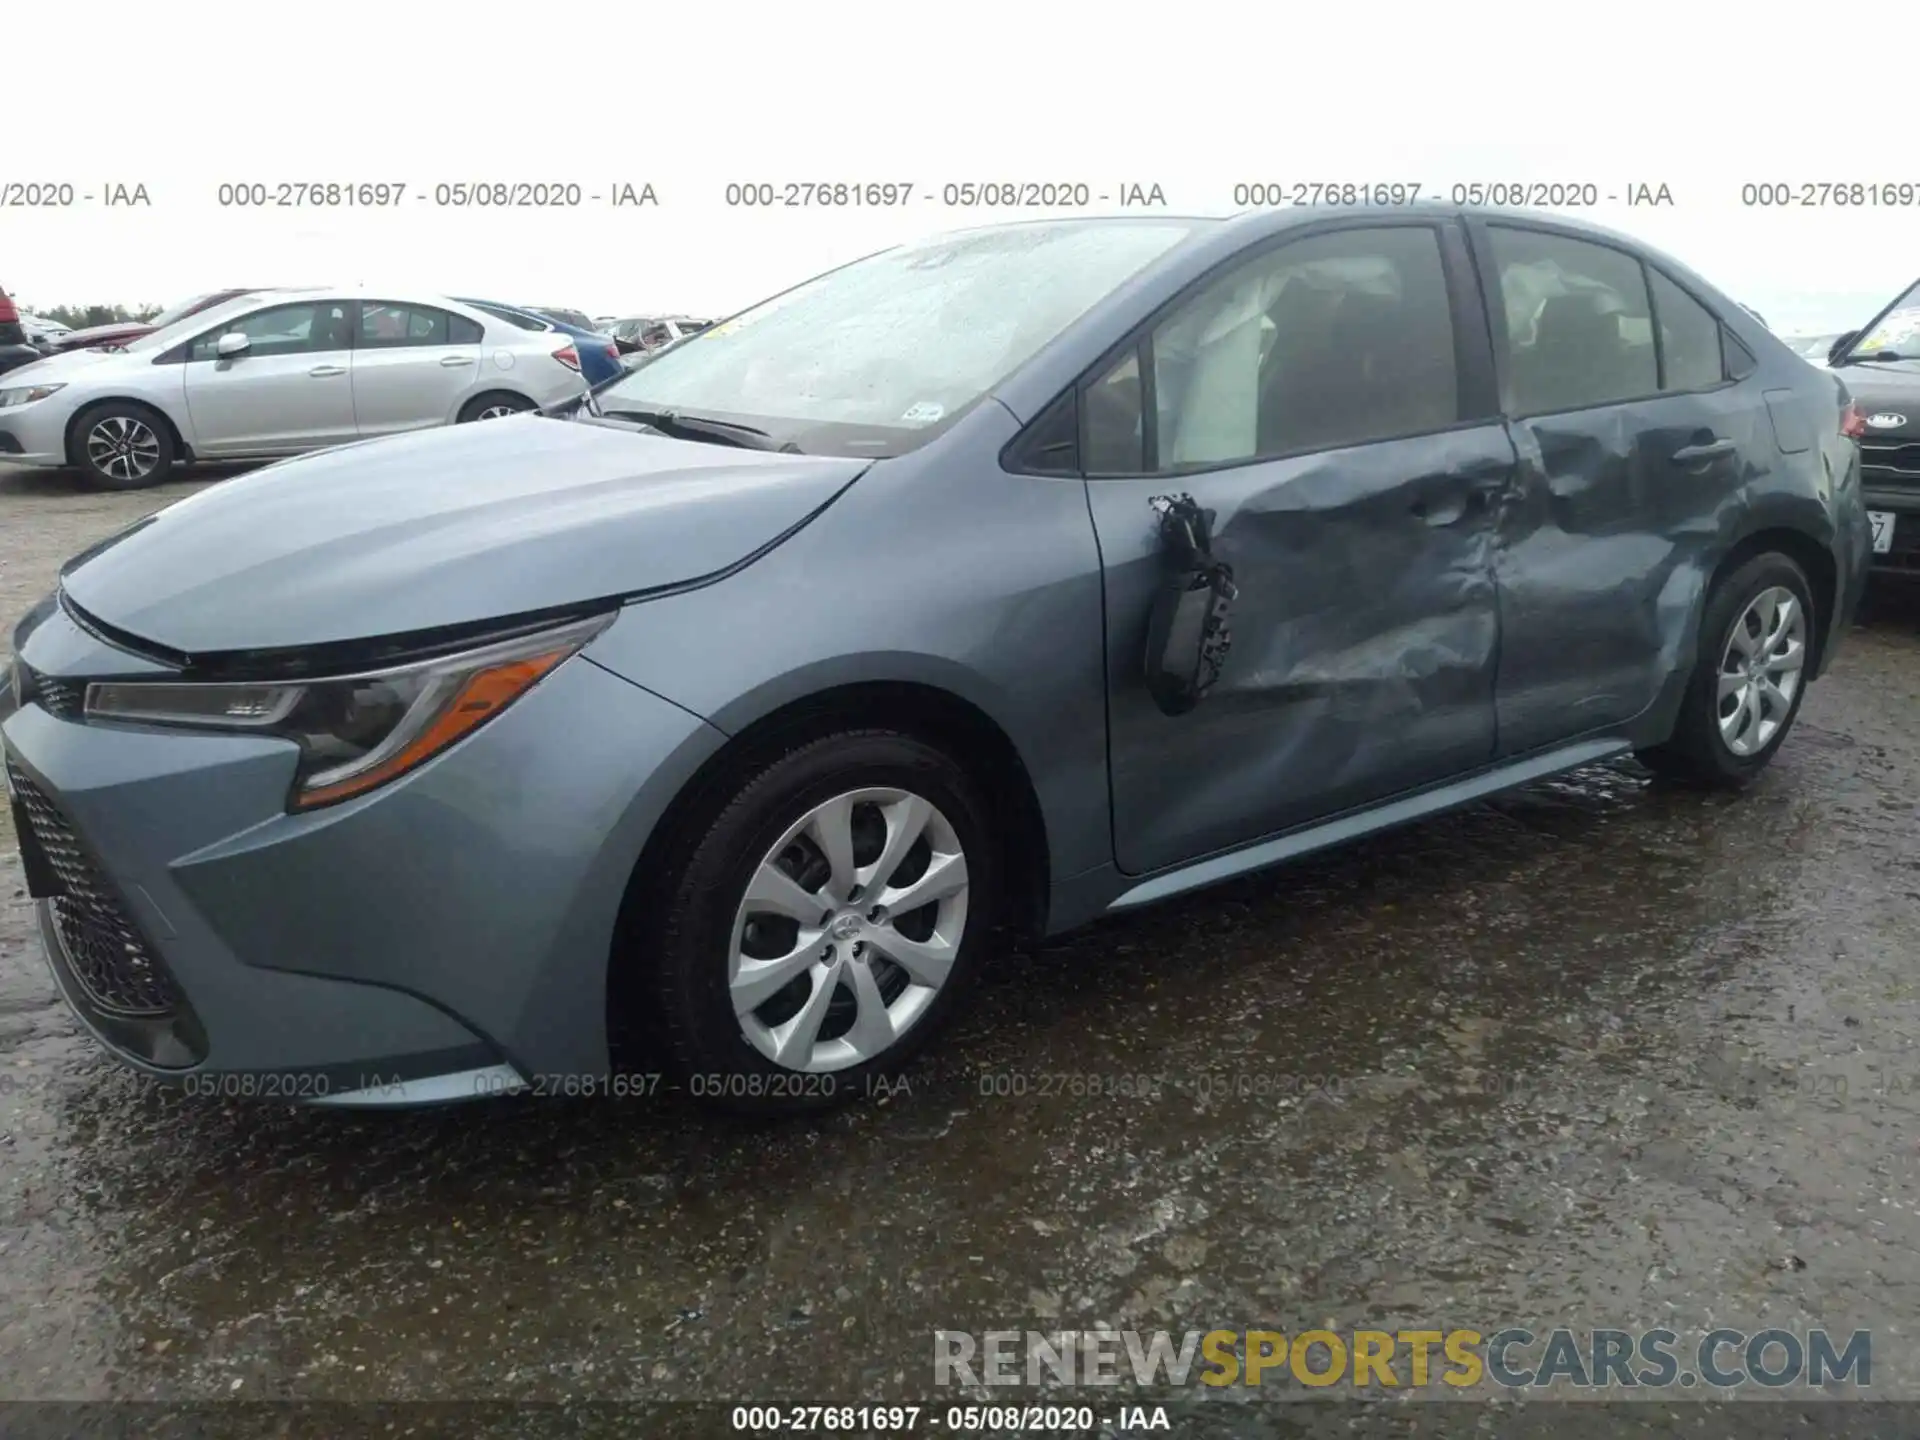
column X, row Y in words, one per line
column 1898, row 330
column 566, row 317
column 889, row 347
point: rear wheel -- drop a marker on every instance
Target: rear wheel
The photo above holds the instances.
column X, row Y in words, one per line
column 120, row 445
column 1756, row 640
column 493, row 406
column 824, row 926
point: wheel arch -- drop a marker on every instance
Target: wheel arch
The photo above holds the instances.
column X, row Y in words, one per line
column 467, row 402
column 1813, row 557
column 181, row 449
column 930, row 712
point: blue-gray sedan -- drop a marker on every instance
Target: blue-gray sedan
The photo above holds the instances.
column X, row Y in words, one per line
column 985, row 585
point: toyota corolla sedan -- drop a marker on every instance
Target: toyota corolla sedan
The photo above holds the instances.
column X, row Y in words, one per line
column 278, row 373
column 986, row 585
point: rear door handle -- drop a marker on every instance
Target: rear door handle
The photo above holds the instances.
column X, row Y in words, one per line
column 451, row 360
column 322, row 371
column 1698, row 454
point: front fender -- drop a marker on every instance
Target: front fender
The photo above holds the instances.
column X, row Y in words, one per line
column 947, row 573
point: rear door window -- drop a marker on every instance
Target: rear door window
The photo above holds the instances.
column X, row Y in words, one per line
column 1689, row 338
column 385, row 325
column 1579, row 326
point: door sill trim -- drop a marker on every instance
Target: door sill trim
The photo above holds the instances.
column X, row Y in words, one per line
column 1356, row 823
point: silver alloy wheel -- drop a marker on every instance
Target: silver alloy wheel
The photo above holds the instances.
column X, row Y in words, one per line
column 1760, row 669
column 123, row 448
column 849, row 927
column 494, row 412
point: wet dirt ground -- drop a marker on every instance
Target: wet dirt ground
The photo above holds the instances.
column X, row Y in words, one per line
column 1600, row 1053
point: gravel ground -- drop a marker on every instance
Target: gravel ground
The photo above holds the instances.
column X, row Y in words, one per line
column 1600, row 1053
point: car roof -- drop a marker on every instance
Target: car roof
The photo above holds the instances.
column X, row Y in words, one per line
column 246, row 300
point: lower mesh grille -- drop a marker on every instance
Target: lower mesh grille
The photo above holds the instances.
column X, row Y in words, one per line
column 106, row 954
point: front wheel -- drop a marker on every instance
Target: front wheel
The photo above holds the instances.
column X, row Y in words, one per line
column 1756, row 639
column 824, row 926
column 119, row 445
column 494, row 406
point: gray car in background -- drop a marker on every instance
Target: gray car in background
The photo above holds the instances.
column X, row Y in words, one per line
column 278, row 373
column 978, row 588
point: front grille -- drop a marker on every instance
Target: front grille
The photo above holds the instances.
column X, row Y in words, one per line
column 1890, row 464
column 106, row 954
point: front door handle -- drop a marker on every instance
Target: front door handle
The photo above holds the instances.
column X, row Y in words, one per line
column 452, row 360
column 321, row 371
column 1700, row 454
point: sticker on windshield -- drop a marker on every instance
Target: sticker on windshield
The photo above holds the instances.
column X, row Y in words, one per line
column 925, row 413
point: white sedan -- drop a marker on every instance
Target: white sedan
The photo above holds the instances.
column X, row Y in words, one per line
column 274, row 374
column 40, row 328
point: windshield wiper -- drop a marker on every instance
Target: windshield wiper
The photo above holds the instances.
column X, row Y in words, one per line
column 1879, row 355
column 698, row 427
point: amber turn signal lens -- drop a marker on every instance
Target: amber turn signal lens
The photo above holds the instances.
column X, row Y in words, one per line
column 484, row 695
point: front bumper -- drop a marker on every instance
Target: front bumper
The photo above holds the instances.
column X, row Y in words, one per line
column 34, row 434
column 447, row 935
column 1904, row 556
column 1890, row 482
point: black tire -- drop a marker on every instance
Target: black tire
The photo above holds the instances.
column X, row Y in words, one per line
column 685, row 939
column 146, row 458
column 499, row 400
column 1696, row 753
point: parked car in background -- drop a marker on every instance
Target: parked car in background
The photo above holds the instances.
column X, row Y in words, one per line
column 745, row 714
column 599, row 356
column 574, row 319
column 652, row 333
column 1812, row 348
column 1880, row 365
column 15, row 348
column 43, row 333
column 278, row 374
column 121, row 331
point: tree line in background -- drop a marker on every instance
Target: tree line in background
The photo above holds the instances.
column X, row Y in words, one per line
column 79, row 317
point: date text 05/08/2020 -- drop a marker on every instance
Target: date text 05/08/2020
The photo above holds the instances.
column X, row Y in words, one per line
column 472, row 194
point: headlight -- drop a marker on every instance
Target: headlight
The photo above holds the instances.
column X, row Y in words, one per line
column 357, row 732
column 27, row 394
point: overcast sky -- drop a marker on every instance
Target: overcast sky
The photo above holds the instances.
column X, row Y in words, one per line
column 1194, row 97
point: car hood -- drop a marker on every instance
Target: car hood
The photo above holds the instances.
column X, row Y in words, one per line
column 62, row 366
column 444, row 528
column 1883, row 390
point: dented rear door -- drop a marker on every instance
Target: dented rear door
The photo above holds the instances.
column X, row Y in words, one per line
column 1364, row 624
column 1638, row 438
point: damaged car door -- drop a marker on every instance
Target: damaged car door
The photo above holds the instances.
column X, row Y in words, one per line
column 1635, row 438
column 1317, row 425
